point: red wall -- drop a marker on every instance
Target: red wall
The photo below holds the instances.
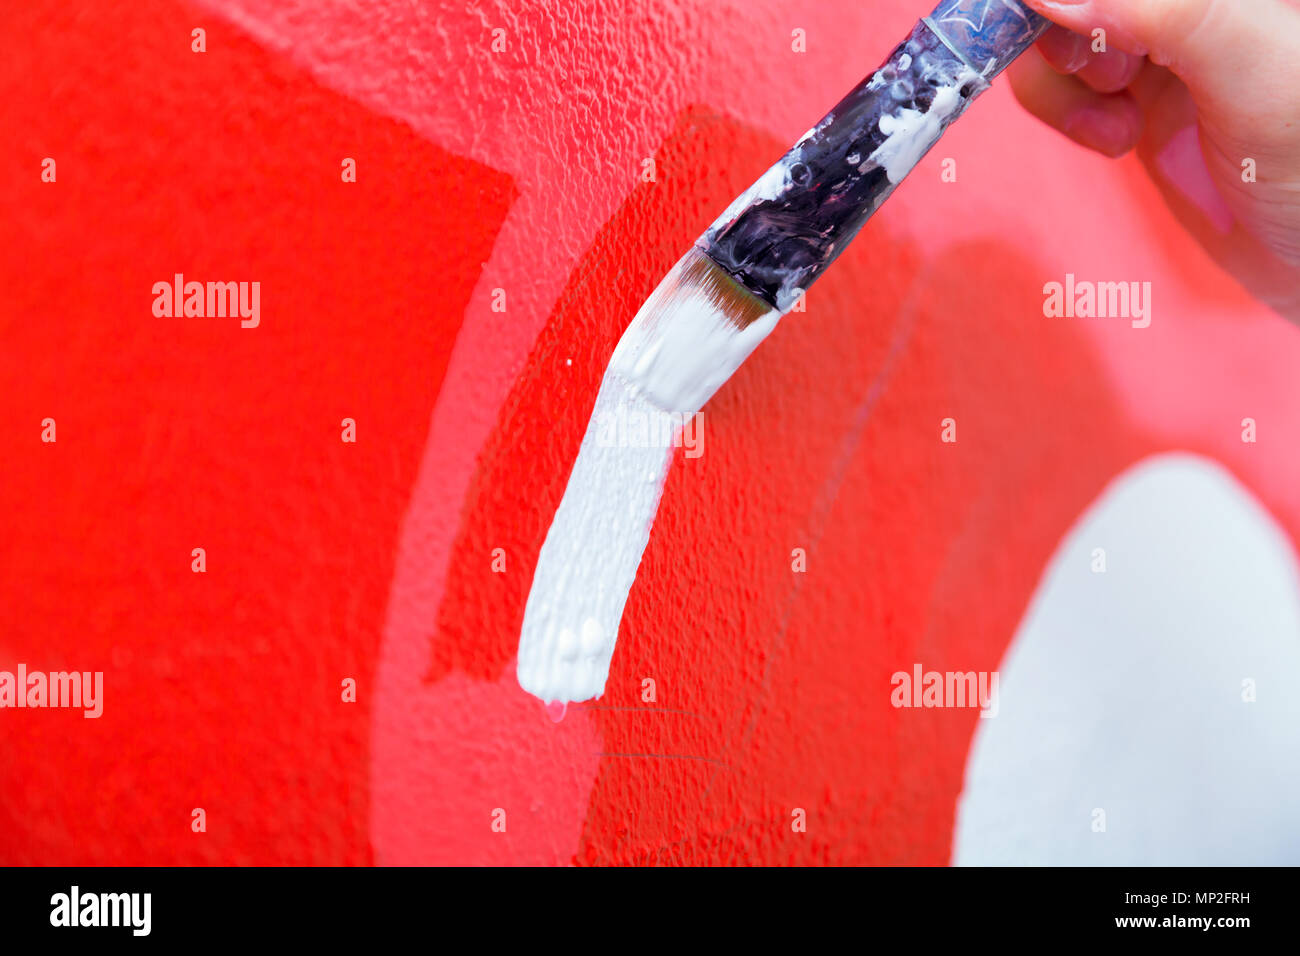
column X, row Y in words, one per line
column 326, row 560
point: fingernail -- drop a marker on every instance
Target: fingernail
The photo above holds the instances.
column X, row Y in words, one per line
column 1115, row 34
column 1183, row 164
column 1065, row 51
column 1111, row 72
column 1101, row 130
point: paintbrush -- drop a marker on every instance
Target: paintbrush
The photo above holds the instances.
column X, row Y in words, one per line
column 714, row 308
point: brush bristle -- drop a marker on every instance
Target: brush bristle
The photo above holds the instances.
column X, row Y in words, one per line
column 697, row 271
column 693, row 332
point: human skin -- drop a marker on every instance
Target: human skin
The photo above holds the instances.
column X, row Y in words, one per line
column 1199, row 88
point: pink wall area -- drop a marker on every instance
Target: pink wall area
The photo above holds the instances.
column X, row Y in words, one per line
column 521, row 171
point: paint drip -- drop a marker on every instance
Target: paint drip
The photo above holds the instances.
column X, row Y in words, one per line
column 556, row 710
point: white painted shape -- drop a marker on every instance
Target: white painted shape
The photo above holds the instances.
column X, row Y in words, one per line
column 1123, row 690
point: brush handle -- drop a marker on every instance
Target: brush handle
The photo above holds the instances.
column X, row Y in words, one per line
column 787, row 228
column 987, row 34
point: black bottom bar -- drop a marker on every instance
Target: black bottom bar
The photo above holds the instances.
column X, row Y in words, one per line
column 573, row 908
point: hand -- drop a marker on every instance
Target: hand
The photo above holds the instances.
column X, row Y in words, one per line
column 1209, row 93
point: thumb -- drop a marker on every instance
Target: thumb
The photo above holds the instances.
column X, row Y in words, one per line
column 1221, row 49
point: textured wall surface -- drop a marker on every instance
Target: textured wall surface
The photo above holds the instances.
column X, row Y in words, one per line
column 520, row 170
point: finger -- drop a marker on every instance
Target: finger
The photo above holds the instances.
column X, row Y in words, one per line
column 1111, row 71
column 1218, row 47
column 1152, row 84
column 1064, row 50
column 1111, row 124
